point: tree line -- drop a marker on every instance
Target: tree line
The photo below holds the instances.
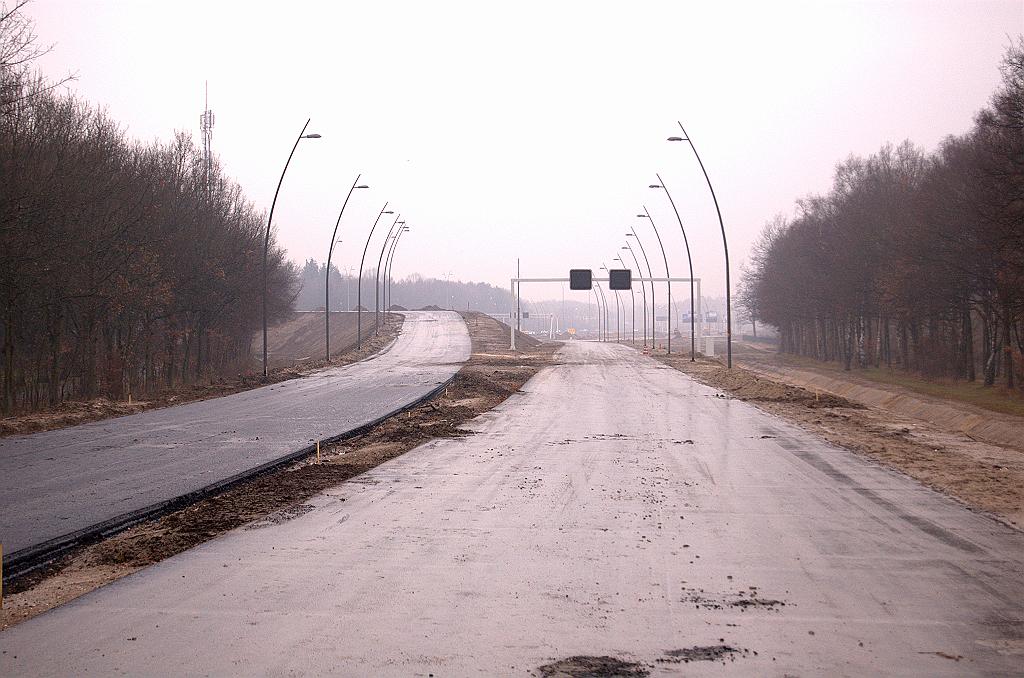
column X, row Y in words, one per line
column 125, row 267
column 410, row 292
column 912, row 260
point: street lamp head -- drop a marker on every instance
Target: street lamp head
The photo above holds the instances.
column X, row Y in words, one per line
column 625, row 247
column 655, row 186
column 631, row 235
column 388, row 212
column 677, row 139
column 641, row 216
column 362, row 186
column 311, row 136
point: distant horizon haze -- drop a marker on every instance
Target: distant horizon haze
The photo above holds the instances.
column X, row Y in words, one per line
column 533, row 130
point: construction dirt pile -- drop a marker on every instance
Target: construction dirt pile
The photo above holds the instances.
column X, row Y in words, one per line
column 294, row 339
column 983, row 476
column 491, row 375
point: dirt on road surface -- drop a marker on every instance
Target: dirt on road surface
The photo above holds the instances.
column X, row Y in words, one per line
column 296, row 347
column 612, row 517
column 983, row 476
column 491, row 375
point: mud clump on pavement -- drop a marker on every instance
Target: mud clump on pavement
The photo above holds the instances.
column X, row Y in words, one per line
column 980, row 475
column 73, row 413
column 491, row 375
column 744, row 603
column 742, row 600
column 700, row 653
column 593, row 667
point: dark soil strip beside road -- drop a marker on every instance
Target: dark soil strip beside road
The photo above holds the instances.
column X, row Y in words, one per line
column 491, row 375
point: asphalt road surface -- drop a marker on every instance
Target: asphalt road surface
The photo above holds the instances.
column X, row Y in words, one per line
column 613, row 507
column 58, row 482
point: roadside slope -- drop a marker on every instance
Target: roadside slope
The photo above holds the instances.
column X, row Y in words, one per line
column 953, row 416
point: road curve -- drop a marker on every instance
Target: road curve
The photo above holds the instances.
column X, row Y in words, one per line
column 613, row 507
column 58, row 482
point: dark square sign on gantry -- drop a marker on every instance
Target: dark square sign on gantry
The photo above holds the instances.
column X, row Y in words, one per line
column 580, row 279
column 620, row 279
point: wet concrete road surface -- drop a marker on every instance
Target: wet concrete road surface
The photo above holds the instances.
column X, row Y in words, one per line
column 613, row 508
column 58, row 482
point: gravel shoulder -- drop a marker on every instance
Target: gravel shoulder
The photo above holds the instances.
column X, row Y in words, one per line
column 491, row 375
column 985, row 477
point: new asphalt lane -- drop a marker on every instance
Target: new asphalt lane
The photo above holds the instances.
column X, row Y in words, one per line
column 59, row 482
column 613, row 507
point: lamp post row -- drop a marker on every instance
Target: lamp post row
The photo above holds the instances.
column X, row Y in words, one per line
column 725, row 245
column 330, row 252
column 393, row 237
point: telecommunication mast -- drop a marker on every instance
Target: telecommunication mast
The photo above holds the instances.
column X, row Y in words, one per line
column 206, row 128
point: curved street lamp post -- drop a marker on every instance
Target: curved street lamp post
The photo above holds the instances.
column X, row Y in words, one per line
column 376, row 283
column 725, row 243
column 618, row 303
column 327, row 275
column 668, row 314
column 686, row 241
column 266, row 238
column 604, row 300
column 650, row 274
column 385, row 290
column 359, row 291
column 388, row 267
column 632, row 317
column 619, row 313
column 643, row 291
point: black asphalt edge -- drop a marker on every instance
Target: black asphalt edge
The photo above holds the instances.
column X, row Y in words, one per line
column 26, row 560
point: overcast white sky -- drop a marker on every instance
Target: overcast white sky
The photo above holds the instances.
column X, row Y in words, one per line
column 532, row 129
